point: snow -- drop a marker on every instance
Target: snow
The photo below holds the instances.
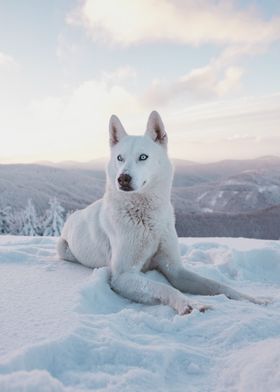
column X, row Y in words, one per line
column 63, row 329
column 269, row 188
column 206, row 209
column 201, row 196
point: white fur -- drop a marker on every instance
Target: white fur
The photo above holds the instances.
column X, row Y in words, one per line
column 134, row 231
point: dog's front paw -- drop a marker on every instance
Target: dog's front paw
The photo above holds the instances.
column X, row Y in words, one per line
column 202, row 307
column 187, row 308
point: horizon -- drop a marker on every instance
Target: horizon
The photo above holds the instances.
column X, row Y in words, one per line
column 105, row 159
column 72, row 64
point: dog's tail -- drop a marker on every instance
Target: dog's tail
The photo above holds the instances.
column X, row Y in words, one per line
column 64, row 251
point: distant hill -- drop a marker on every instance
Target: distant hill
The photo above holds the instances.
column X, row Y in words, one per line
column 262, row 224
column 220, row 194
column 74, row 188
column 247, row 191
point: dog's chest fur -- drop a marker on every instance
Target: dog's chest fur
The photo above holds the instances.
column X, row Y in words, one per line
column 138, row 213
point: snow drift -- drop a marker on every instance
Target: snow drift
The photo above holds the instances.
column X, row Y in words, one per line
column 63, row 329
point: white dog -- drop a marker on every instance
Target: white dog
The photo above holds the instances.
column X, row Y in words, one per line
column 132, row 229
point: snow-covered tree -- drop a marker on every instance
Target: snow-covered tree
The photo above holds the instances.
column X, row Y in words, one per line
column 30, row 221
column 16, row 224
column 5, row 220
column 54, row 218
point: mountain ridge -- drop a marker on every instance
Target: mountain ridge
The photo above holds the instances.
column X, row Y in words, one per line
column 215, row 190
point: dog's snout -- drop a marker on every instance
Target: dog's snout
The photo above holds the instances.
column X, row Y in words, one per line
column 124, row 180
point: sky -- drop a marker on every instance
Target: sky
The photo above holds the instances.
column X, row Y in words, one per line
column 209, row 67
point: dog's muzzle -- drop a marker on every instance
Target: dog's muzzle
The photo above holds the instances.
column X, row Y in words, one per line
column 124, row 181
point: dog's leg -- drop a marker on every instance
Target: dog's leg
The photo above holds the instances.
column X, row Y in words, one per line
column 137, row 287
column 192, row 283
column 168, row 262
column 64, row 251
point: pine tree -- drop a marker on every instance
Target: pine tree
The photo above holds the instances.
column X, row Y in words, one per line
column 5, row 220
column 54, row 218
column 16, row 223
column 30, row 222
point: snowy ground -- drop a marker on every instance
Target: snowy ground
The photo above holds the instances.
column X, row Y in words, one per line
column 63, row 329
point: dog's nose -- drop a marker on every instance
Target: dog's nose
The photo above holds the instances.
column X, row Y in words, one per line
column 124, row 180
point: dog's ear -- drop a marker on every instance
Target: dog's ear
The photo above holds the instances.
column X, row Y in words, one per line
column 155, row 129
column 116, row 130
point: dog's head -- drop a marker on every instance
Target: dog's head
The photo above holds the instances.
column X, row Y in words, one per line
column 138, row 162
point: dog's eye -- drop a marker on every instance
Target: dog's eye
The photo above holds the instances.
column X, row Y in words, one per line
column 120, row 158
column 143, row 157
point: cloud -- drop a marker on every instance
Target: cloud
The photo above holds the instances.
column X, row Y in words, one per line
column 241, row 119
column 237, row 137
column 215, row 80
column 221, row 77
column 193, row 22
column 239, row 31
column 72, row 125
column 75, row 125
column 120, row 75
column 65, row 49
column 238, row 128
column 240, row 109
column 7, row 61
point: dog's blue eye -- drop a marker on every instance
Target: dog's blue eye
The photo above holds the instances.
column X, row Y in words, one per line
column 143, row 157
column 120, row 158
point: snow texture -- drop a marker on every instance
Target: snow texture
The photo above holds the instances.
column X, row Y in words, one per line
column 62, row 328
